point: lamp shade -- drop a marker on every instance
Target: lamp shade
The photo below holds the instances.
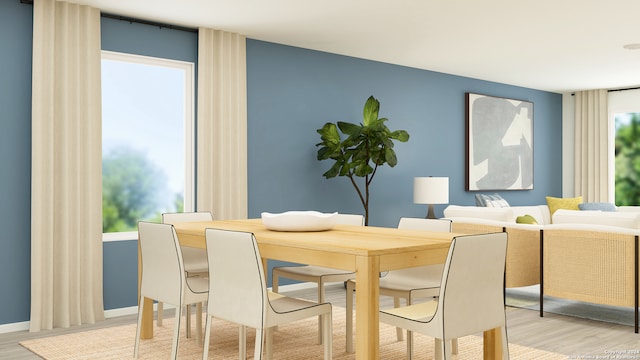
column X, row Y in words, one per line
column 431, row 190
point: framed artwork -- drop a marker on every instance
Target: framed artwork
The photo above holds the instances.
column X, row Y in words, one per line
column 499, row 139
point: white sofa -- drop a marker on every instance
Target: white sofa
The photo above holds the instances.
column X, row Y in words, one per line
column 582, row 255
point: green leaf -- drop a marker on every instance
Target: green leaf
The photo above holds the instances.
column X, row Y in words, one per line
column 329, row 134
column 371, row 109
column 400, row 135
column 333, row 172
column 390, row 155
column 349, row 128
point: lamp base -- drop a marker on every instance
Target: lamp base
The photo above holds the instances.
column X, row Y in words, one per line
column 430, row 213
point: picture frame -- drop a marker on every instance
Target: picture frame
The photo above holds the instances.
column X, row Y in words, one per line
column 499, row 143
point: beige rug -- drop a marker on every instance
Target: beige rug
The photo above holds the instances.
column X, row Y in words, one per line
column 294, row 341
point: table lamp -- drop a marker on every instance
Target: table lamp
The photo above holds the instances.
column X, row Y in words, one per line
column 431, row 190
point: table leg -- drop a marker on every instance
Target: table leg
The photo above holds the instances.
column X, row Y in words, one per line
column 146, row 332
column 492, row 344
column 367, row 307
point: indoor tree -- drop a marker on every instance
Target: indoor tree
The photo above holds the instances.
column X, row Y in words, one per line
column 366, row 146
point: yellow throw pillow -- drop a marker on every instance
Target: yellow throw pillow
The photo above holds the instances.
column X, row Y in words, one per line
column 563, row 203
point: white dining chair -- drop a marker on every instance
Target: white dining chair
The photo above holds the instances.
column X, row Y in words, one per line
column 239, row 294
column 164, row 277
column 195, row 264
column 317, row 274
column 409, row 284
column 470, row 298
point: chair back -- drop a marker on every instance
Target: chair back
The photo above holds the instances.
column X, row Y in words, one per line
column 430, row 271
column 171, row 218
column 471, row 292
column 236, row 278
column 439, row 225
column 162, row 266
column 350, row 219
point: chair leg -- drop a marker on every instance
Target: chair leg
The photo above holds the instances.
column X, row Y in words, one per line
column 257, row 354
column 176, row 332
column 399, row 330
column 454, row 346
column 188, row 318
column 350, row 294
column 409, row 335
column 136, row 347
column 268, row 343
column 437, row 353
column 160, row 313
column 321, row 317
column 444, row 349
column 207, row 334
column 275, row 276
column 328, row 337
column 199, row 323
column 242, row 348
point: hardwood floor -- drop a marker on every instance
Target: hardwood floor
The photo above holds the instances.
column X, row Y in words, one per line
column 577, row 338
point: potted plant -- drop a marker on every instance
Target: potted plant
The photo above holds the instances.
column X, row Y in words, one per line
column 366, row 146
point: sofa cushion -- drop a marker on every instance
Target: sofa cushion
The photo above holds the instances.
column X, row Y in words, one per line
column 487, row 213
column 555, row 203
column 628, row 220
column 602, row 206
column 494, row 200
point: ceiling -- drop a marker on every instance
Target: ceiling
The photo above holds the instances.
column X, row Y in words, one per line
column 552, row 45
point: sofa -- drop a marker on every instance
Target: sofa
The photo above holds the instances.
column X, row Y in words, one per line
column 582, row 255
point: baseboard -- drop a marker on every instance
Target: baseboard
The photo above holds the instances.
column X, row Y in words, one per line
column 13, row 327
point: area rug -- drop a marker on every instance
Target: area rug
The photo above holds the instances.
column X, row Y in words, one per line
column 529, row 298
column 294, row 341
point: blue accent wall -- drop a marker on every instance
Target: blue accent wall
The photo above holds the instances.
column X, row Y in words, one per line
column 15, row 161
column 291, row 93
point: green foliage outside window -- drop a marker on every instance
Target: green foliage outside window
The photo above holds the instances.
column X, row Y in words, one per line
column 627, row 159
column 130, row 187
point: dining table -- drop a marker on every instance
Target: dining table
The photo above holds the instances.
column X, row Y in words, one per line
column 365, row 250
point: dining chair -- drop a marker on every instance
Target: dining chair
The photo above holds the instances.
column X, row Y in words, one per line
column 195, row 264
column 241, row 296
column 470, row 298
column 164, row 277
column 409, row 284
column 317, row 274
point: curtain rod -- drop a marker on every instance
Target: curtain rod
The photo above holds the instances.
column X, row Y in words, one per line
column 612, row 90
column 633, row 88
column 136, row 20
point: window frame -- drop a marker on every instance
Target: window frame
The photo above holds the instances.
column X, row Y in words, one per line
column 189, row 126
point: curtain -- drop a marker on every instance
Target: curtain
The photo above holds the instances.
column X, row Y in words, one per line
column 66, row 185
column 591, row 139
column 221, row 179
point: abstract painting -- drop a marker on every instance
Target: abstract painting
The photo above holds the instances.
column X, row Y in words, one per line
column 499, row 138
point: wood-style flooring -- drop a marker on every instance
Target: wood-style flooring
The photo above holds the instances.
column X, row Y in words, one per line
column 575, row 337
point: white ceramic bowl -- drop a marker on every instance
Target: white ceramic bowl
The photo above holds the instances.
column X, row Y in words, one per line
column 299, row 221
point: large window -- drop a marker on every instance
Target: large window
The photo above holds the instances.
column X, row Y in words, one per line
column 147, row 140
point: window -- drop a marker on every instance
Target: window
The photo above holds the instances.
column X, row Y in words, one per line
column 147, row 140
column 627, row 158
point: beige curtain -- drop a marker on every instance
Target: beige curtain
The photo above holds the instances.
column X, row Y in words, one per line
column 66, row 188
column 591, row 139
column 221, row 183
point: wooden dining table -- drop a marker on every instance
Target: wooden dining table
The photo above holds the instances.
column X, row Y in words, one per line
column 365, row 250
